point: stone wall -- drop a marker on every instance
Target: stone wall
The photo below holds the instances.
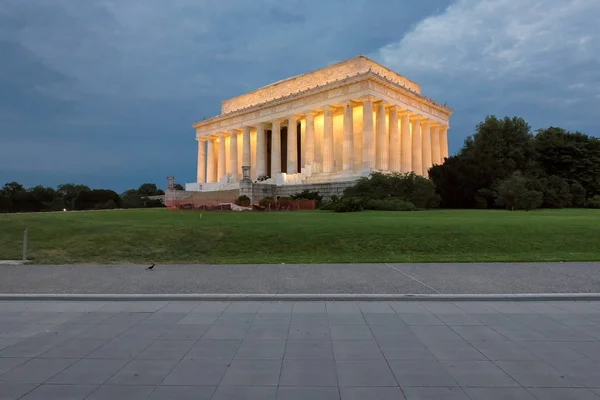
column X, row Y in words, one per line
column 320, row 77
column 258, row 191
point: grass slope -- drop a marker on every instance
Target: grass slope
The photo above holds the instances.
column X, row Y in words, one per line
column 158, row 235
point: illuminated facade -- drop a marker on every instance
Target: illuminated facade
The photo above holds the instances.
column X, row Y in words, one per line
column 331, row 125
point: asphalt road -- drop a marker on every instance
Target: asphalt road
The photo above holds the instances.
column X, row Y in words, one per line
column 454, row 278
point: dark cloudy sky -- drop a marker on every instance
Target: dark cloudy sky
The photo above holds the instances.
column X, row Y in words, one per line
column 104, row 92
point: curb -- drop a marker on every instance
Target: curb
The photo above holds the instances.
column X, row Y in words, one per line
column 304, row 297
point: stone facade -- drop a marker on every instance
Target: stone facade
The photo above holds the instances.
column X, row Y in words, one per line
column 331, row 125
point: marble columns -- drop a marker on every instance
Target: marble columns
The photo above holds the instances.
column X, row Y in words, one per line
column 328, row 157
column 435, row 145
column 309, row 146
column 382, row 151
column 233, row 156
column 368, row 135
column 426, row 147
column 443, row 143
column 394, row 150
column 211, row 173
column 417, row 155
column 292, row 145
column 276, row 148
column 261, row 151
column 201, row 173
column 348, row 145
column 222, row 166
column 405, row 143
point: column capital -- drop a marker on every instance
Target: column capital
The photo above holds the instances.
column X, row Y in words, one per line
column 201, row 139
column 367, row 98
column 328, row 108
column 415, row 117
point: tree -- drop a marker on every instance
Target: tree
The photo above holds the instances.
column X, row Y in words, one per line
column 578, row 194
column 69, row 191
column 557, row 193
column 497, row 149
column 149, row 189
column 88, row 200
column 514, row 194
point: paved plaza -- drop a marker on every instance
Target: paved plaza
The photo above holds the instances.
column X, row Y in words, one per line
column 431, row 278
column 304, row 350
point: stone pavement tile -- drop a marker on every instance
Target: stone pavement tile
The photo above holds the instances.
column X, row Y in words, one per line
column 455, row 319
column 121, row 347
column 346, row 319
column 167, row 350
column 245, row 393
column 127, row 319
column 89, row 371
column 406, row 350
column 585, row 373
column 563, row 394
column 213, row 349
column 408, row 307
column 479, row 374
column 92, row 317
column 315, row 332
column 197, row 372
column 371, row 393
column 214, row 307
column 226, row 332
column 372, row 307
column 496, row 320
column 309, row 320
column 182, row 393
column 252, row 373
column 308, row 373
column 590, row 350
column 261, row 349
column 276, row 308
column 342, row 307
column 7, row 364
column 383, row 319
column 192, row 332
column 519, row 333
column 33, row 347
column 304, row 393
column 350, row 333
column 365, row 373
column 7, row 342
column 59, row 392
column 267, row 332
column 421, row 373
column 235, row 320
column 303, row 307
column 426, row 319
column 356, row 350
column 454, row 350
column 554, row 352
column 162, row 319
column 434, row 393
column 143, row 372
column 37, row 370
column 100, row 331
column 74, row 348
column 13, row 391
column 504, row 351
column 444, row 307
column 470, row 333
column 436, row 333
column 393, row 335
column 535, row 374
column 272, row 319
column 198, row 319
column 564, row 334
column 179, row 307
column 593, row 331
column 243, row 307
column 476, row 307
column 308, row 350
column 109, row 392
column 498, row 394
column 574, row 320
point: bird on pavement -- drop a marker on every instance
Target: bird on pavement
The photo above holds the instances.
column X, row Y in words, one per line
column 150, row 267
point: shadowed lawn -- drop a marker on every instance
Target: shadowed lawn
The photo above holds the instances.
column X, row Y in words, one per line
column 158, row 235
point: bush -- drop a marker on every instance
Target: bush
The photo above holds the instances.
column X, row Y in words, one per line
column 485, row 198
column 350, row 204
column 262, row 178
column 108, row 205
column 557, row 193
column 308, row 195
column 267, row 201
column 391, row 204
column 243, row 201
column 408, row 187
column 531, row 200
column 594, row 202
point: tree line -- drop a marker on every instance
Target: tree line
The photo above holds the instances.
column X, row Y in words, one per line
column 504, row 165
column 14, row 197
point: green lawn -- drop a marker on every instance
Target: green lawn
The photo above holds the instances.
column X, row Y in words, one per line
column 158, row 235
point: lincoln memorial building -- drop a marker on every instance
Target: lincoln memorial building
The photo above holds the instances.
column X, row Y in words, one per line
column 332, row 125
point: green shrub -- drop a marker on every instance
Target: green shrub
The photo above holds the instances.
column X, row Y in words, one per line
column 267, row 201
column 578, row 193
column 391, row 204
column 594, row 202
column 243, row 201
column 531, row 200
column 308, row 195
column 107, row 205
column 350, row 204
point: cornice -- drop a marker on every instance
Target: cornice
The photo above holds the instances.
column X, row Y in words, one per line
column 319, row 88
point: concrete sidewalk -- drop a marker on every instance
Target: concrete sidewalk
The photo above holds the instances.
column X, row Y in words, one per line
column 291, row 351
column 481, row 278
